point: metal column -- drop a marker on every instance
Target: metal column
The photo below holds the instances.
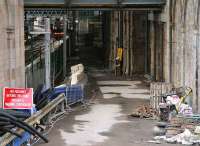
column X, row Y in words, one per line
column 65, row 47
column 146, row 46
column 47, row 54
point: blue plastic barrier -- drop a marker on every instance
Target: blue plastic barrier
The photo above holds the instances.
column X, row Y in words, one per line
column 74, row 94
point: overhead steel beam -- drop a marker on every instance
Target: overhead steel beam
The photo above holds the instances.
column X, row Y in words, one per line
column 44, row 3
column 55, row 12
column 59, row 8
column 94, row 3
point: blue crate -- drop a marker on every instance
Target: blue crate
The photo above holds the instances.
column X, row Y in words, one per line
column 74, row 94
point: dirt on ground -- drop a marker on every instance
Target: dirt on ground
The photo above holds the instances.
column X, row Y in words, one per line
column 105, row 121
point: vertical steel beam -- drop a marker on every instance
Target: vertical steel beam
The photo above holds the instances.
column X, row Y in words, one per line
column 32, row 60
column 65, row 47
column 146, row 45
column 47, row 54
column 170, row 40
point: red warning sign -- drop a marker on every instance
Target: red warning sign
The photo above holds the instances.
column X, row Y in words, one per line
column 17, row 98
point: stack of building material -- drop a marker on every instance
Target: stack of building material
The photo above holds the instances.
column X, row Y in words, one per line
column 78, row 74
column 157, row 90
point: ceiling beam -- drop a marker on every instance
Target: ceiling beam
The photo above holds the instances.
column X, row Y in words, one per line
column 94, row 3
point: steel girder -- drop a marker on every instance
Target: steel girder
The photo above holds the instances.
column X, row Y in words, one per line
column 95, row 3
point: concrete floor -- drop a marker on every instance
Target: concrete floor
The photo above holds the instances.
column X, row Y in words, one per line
column 105, row 122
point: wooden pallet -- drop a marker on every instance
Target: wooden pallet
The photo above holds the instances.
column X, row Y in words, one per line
column 157, row 89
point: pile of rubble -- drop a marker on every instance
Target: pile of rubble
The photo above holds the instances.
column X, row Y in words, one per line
column 144, row 111
column 183, row 130
column 178, row 122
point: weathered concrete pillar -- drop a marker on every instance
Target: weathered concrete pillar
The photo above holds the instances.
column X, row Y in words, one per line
column 164, row 17
column 152, row 43
column 12, row 61
column 185, row 27
column 47, row 54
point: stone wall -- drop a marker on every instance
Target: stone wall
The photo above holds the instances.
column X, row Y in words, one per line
column 12, row 66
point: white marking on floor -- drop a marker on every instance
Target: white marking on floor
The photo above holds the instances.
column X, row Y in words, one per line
column 128, row 89
column 100, row 119
column 119, row 82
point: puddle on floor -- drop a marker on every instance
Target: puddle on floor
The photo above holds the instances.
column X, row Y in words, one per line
column 99, row 120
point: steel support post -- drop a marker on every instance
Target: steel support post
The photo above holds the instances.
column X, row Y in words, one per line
column 65, row 47
column 47, row 54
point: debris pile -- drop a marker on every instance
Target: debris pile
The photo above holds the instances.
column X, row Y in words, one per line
column 144, row 111
column 178, row 122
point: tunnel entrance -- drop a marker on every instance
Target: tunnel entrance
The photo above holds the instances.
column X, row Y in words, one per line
column 127, row 43
column 99, row 36
column 88, row 45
